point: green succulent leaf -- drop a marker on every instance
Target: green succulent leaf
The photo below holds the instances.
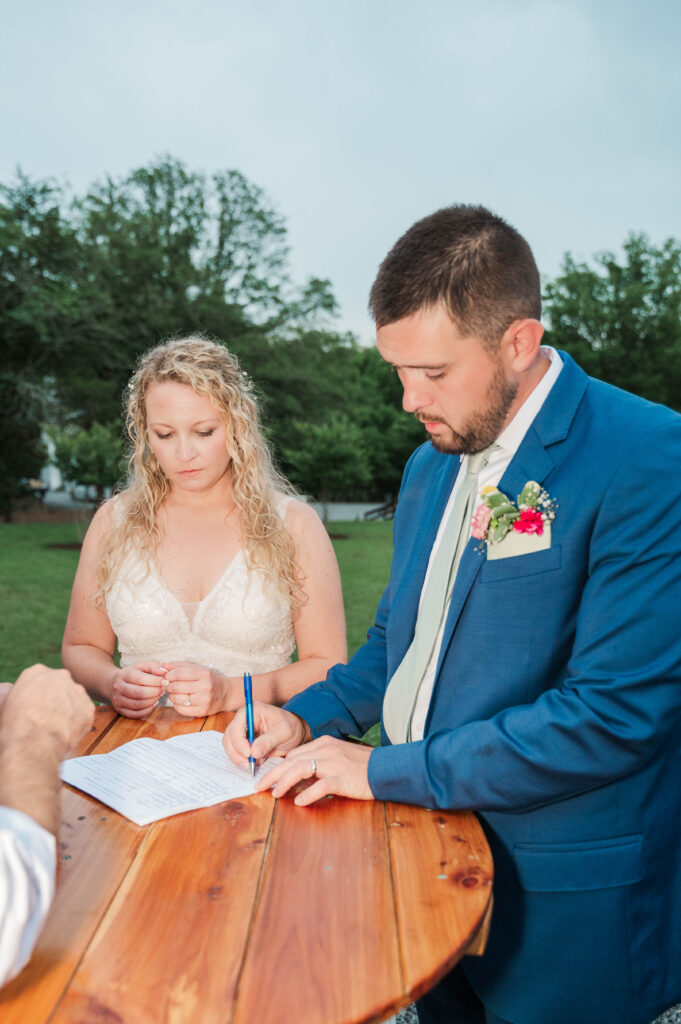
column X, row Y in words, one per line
column 529, row 494
column 498, row 530
column 505, row 511
column 494, row 499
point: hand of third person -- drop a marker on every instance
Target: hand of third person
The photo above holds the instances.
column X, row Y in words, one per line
column 46, row 702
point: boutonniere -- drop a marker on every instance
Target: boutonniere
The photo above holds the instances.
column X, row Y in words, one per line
column 496, row 516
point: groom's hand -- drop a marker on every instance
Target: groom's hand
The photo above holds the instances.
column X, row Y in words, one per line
column 276, row 731
column 340, row 768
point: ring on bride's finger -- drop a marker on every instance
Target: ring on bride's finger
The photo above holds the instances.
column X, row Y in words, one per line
column 314, row 766
column 188, row 700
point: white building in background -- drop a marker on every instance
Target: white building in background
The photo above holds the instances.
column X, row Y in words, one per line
column 49, row 474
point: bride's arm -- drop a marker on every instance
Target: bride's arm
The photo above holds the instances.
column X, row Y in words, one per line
column 89, row 641
column 319, row 623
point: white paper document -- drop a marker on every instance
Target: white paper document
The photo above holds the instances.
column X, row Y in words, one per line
column 150, row 779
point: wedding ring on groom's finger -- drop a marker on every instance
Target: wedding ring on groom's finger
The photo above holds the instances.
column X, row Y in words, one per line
column 314, row 767
column 188, row 700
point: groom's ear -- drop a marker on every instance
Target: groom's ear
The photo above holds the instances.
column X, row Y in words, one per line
column 521, row 343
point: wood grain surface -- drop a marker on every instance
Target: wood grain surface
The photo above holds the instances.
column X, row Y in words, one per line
column 249, row 911
column 442, row 873
column 326, row 899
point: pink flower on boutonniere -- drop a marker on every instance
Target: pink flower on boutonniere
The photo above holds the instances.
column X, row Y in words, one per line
column 530, row 521
column 481, row 518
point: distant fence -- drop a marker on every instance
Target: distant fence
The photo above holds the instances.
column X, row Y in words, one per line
column 339, row 511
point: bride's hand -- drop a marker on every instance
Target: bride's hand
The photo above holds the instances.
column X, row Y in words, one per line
column 195, row 690
column 137, row 688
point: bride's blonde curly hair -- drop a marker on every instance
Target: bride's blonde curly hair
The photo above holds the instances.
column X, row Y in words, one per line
column 210, row 370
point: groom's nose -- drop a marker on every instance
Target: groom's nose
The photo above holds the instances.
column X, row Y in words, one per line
column 416, row 393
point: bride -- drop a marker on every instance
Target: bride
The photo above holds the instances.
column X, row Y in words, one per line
column 205, row 566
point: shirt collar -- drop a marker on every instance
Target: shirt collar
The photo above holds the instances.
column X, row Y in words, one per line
column 511, row 436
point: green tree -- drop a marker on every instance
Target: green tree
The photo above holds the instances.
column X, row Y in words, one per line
column 307, row 376
column 87, row 285
column 90, row 457
column 622, row 320
column 318, row 376
column 390, row 434
column 22, row 453
column 37, row 250
column 330, row 461
column 171, row 253
column 38, row 257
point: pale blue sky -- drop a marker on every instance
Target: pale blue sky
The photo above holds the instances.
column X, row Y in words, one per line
column 359, row 116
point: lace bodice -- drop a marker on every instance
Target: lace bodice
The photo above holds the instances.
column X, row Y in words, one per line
column 238, row 627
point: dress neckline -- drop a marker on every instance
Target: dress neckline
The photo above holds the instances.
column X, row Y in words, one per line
column 197, row 604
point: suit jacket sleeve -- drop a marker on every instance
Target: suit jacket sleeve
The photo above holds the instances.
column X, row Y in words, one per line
column 620, row 697
column 350, row 700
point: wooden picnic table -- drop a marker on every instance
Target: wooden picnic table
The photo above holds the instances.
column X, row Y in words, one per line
column 253, row 911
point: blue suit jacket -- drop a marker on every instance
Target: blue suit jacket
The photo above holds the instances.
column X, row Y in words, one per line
column 556, row 712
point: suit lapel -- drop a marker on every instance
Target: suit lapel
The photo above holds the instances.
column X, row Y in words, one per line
column 422, row 539
column 532, row 461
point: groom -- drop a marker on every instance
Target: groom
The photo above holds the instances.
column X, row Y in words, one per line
column 531, row 672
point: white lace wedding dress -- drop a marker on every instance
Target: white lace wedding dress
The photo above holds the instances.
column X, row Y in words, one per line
column 240, row 626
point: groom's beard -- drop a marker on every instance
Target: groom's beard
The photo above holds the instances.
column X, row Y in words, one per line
column 484, row 426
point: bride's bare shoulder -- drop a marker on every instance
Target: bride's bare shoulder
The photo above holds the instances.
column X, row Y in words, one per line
column 109, row 514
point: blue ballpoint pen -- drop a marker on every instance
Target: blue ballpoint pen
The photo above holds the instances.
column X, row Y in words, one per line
column 248, row 695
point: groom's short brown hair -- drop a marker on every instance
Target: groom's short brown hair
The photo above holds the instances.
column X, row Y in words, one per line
column 468, row 260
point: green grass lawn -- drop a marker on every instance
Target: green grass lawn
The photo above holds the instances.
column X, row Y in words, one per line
column 364, row 560
column 35, row 585
column 36, row 578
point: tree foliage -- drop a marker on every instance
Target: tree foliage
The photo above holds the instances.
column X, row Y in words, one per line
column 318, row 379
column 622, row 320
column 87, row 285
column 330, row 461
column 89, row 282
column 90, row 457
column 22, row 453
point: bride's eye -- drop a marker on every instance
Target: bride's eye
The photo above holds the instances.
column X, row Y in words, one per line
column 207, row 433
column 162, row 437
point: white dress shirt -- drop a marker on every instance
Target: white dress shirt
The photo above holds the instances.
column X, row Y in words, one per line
column 508, row 443
column 28, row 856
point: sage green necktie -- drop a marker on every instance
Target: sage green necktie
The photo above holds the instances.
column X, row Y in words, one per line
column 400, row 696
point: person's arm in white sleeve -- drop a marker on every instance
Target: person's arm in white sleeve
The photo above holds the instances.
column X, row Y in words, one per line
column 41, row 719
column 27, row 866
